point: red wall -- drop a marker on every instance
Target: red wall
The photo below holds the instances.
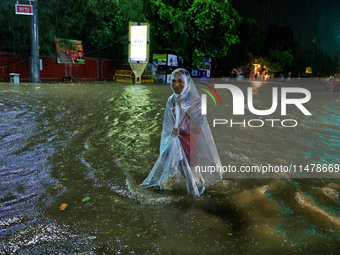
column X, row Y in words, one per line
column 93, row 69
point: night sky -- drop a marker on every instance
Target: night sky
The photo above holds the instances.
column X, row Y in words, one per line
column 316, row 23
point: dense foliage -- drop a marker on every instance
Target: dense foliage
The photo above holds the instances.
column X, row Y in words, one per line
column 187, row 27
column 190, row 28
column 101, row 25
column 194, row 28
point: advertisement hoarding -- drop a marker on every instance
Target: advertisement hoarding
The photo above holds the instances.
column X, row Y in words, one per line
column 159, row 59
column 172, row 60
column 138, row 43
column 69, row 51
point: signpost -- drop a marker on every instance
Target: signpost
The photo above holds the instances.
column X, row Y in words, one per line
column 27, row 9
column 139, row 44
column 24, row 9
column 35, row 63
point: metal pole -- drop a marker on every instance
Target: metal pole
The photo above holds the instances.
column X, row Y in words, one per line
column 35, row 63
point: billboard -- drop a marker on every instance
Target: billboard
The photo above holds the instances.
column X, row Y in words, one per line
column 172, row 60
column 159, row 59
column 69, row 51
column 139, row 43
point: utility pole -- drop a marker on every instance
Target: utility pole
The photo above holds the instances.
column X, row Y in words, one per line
column 35, row 62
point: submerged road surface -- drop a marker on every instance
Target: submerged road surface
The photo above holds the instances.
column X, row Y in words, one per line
column 90, row 145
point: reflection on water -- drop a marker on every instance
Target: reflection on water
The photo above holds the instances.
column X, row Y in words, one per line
column 60, row 143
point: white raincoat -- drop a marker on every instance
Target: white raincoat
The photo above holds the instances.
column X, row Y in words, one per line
column 191, row 149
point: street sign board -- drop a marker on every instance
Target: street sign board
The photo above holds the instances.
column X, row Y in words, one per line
column 139, row 44
column 24, row 9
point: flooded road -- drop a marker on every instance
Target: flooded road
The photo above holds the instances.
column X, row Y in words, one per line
column 90, row 145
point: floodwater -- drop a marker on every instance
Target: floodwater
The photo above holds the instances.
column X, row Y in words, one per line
column 61, row 143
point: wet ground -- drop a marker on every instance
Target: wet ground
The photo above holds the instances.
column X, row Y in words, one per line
column 90, row 145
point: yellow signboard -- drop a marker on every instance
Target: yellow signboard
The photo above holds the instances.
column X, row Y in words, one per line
column 159, row 59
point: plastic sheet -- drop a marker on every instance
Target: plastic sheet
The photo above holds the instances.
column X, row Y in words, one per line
column 187, row 147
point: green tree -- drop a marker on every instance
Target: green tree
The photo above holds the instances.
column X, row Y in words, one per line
column 279, row 61
column 251, row 43
column 101, row 25
column 194, row 28
column 15, row 29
